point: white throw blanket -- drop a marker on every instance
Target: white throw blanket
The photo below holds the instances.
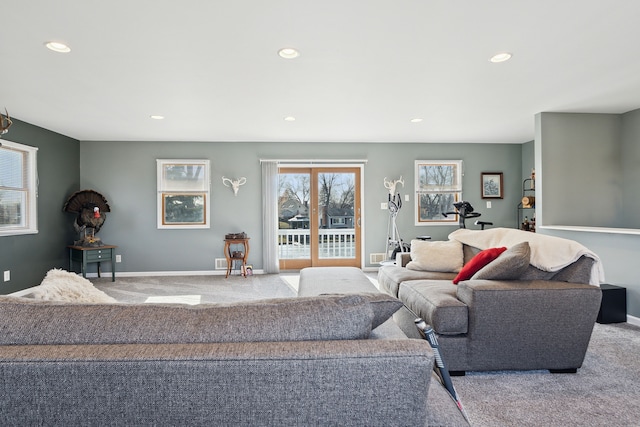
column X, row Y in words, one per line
column 548, row 253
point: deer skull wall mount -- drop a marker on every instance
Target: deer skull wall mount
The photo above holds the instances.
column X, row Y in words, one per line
column 391, row 185
column 5, row 122
column 234, row 184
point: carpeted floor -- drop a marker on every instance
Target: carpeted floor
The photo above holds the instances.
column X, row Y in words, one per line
column 604, row 392
column 183, row 288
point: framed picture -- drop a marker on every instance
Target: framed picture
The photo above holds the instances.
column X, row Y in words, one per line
column 492, row 185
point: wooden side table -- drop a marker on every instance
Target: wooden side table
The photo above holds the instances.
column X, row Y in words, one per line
column 88, row 254
column 228, row 253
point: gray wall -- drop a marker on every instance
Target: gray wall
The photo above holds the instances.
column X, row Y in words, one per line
column 589, row 177
column 580, row 171
column 528, row 159
column 29, row 257
column 528, row 164
column 125, row 172
column 630, row 215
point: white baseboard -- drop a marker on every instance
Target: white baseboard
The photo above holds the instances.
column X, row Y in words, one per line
column 22, row 292
column 167, row 273
column 632, row 320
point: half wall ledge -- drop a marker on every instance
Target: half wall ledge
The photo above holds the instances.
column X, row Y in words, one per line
column 606, row 230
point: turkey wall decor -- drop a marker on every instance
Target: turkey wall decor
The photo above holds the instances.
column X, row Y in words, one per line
column 89, row 207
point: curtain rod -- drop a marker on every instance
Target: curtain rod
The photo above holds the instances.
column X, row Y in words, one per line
column 314, row 161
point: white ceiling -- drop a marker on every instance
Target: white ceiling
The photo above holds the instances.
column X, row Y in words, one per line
column 366, row 67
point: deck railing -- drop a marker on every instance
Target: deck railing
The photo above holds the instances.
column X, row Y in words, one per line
column 332, row 243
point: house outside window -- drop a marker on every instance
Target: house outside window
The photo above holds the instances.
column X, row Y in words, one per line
column 18, row 189
column 438, row 186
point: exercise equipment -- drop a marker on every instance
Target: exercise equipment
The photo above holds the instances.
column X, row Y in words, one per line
column 464, row 210
column 394, row 241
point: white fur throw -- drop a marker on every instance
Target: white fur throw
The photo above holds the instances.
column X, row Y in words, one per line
column 442, row 256
column 60, row 285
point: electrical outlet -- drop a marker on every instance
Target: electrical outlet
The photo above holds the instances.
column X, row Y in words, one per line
column 406, row 197
column 7, row 275
column 488, row 205
column 383, row 205
column 118, row 258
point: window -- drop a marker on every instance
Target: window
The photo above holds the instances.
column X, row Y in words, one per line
column 438, row 187
column 18, row 189
column 183, row 193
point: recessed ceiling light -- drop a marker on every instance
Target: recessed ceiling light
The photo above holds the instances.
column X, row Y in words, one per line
column 500, row 57
column 416, row 120
column 157, row 117
column 288, row 53
column 289, row 119
column 58, row 47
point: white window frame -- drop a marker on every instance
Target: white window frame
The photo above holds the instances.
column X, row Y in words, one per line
column 29, row 189
column 424, row 189
column 170, row 187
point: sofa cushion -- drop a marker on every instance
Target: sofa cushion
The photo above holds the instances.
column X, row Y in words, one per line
column 442, row 256
column 285, row 319
column 382, row 305
column 534, row 273
column 477, row 262
column 436, row 302
column 61, row 285
column 390, row 277
column 510, row 265
column 578, row 272
column 469, row 252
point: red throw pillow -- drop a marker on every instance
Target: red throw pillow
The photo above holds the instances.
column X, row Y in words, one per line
column 474, row 265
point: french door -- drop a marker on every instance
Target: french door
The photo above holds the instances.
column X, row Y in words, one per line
column 319, row 217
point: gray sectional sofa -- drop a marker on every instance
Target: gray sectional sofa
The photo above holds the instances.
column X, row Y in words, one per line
column 507, row 314
column 288, row 362
column 319, row 281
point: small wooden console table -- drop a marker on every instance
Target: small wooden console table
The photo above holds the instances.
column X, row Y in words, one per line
column 231, row 257
column 89, row 254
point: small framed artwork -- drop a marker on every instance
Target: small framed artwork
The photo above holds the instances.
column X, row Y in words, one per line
column 492, row 185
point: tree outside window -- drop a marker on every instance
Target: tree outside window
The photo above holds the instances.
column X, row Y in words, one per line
column 438, row 187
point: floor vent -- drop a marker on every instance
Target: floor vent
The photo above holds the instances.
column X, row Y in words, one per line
column 221, row 263
column 377, row 258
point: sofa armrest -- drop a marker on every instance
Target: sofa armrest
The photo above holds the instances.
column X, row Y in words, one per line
column 403, row 258
column 546, row 323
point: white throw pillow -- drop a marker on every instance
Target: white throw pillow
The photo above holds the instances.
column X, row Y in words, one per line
column 60, row 285
column 443, row 256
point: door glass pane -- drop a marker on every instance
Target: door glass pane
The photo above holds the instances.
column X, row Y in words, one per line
column 336, row 216
column 293, row 216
